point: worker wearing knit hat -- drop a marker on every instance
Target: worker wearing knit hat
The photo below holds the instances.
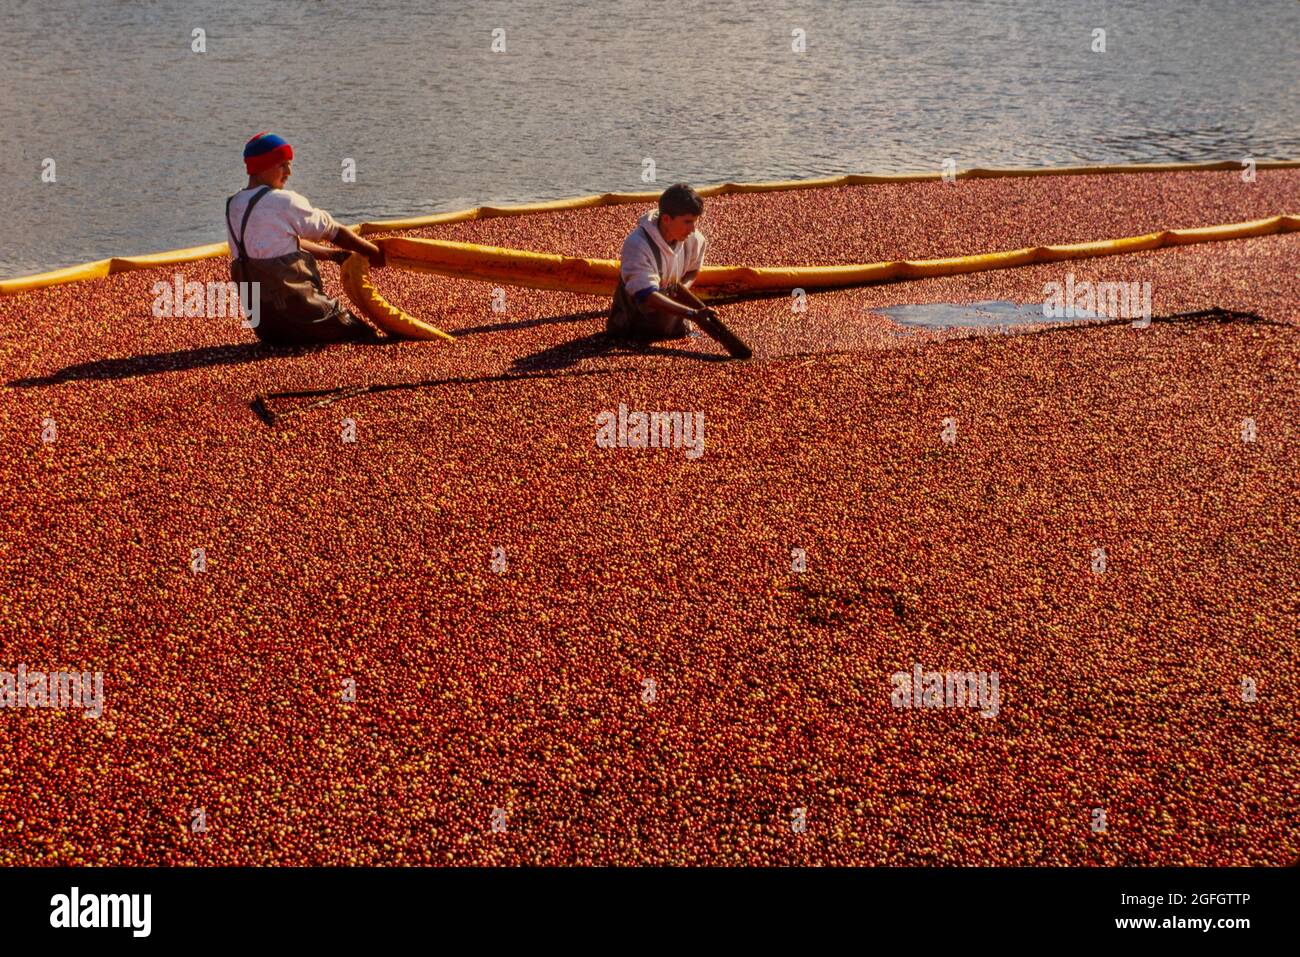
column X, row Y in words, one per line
column 264, row 151
column 274, row 236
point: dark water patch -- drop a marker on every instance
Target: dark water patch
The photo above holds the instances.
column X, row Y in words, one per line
column 992, row 314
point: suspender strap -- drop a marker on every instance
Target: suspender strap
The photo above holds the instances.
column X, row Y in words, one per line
column 654, row 248
column 243, row 226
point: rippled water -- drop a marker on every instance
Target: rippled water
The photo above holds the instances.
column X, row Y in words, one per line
column 147, row 135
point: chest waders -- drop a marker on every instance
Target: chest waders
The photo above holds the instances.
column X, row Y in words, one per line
column 293, row 307
column 626, row 316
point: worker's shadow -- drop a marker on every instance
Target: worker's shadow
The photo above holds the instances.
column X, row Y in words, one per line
column 130, row 367
column 556, row 360
column 564, row 355
column 155, row 363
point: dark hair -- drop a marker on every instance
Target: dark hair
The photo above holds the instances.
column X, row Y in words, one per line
column 679, row 199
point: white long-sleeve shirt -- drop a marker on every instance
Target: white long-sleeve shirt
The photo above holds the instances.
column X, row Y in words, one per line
column 278, row 219
column 637, row 264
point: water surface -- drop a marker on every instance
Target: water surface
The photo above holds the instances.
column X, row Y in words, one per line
column 147, row 135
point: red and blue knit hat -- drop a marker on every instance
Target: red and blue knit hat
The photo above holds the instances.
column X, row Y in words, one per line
column 264, row 151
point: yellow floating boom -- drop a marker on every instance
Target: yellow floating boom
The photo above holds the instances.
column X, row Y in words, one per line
column 517, row 267
column 105, row 267
column 356, row 281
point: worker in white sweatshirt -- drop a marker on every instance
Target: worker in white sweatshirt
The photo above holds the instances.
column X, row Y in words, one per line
column 660, row 259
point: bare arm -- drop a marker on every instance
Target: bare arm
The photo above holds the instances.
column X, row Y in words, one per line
column 322, row 253
column 696, row 308
column 662, row 303
column 348, row 241
column 691, row 298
